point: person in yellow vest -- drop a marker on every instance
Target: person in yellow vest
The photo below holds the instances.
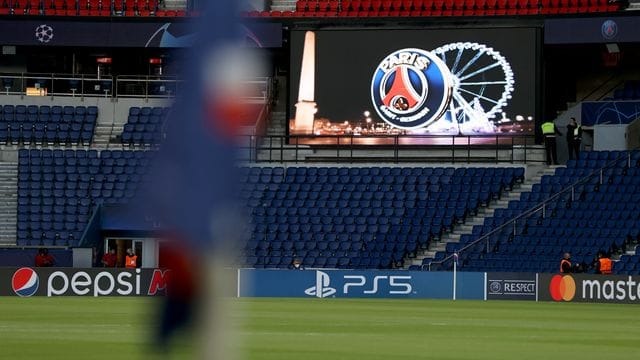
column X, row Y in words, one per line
column 549, row 131
column 565, row 264
column 574, row 138
column 131, row 261
column 603, row 265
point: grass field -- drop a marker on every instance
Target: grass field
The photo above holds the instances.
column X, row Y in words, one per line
column 310, row 329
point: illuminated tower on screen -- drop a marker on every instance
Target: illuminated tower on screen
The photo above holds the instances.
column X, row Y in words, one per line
column 306, row 106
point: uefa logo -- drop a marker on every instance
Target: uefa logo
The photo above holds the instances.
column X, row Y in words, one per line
column 411, row 88
column 495, row 287
column 25, row 282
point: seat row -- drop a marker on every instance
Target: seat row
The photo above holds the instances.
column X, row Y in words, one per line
column 429, row 8
column 58, row 190
column 600, row 216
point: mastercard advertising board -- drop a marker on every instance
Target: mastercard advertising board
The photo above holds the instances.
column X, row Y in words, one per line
column 589, row 288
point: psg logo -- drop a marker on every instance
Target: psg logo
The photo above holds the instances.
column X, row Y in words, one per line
column 411, row 88
column 609, row 29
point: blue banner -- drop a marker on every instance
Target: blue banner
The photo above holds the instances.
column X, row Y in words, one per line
column 113, row 32
column 609, row 112
column 359, row 284
column 589, row 30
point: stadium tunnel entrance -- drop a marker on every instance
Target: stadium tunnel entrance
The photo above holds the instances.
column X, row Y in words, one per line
column 146, row 249
column 119, row 227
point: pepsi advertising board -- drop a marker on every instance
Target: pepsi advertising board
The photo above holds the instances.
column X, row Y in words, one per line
column 382, row 83
column 590, row 288
column 26, row 282
column 359, row 284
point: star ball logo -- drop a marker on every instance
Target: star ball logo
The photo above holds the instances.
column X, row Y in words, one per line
column 562, row 288
column 25, row 282
column 44, row 33
column 411, row 88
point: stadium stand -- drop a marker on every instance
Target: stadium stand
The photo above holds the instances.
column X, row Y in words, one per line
column 431, row 8
column 601, row 216
column 144, row 126
column 359, row 217
column 58, row 189
column 68, row 125
column 630, row 91
column 90, row 8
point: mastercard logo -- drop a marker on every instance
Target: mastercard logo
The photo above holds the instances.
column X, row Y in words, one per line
column 562, row 288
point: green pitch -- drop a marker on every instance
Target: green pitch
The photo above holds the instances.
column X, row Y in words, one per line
column 310, row 329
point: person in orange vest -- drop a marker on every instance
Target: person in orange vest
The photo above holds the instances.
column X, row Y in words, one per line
column 565, row 264
column 131, row 261
column 603, row 265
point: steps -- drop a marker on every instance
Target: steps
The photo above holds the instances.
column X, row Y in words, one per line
column 174, row 4
column 8, row 202
column 102, row 136
column 634, row 5
column 478, row 219
column 283, row 5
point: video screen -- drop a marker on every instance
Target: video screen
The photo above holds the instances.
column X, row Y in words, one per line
column 382, row 83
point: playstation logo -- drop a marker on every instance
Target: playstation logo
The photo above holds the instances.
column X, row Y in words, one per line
column 321, row 289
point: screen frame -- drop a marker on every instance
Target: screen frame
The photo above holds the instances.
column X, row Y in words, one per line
column 537, row 26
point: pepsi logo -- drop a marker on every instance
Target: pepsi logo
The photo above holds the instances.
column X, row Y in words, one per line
column 25, row 282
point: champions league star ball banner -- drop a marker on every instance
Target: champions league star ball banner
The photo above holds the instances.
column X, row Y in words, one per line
column 412, row 82
column 175, row 34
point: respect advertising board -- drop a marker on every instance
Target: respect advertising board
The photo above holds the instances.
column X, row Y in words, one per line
column 590, row 288
column 511, row 286
column 25, row 282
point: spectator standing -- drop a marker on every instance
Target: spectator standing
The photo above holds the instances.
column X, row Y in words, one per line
column 549, row 131
column 565, row 264
column 44, row 259
column 574, row 138
column 603, row 264
column 109, row 259
column 296, row 265
column 131, row 260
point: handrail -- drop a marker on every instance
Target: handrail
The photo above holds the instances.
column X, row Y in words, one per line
column 611, row 89
column 600, row 86
column 453, row 148
column 138, row 86
column 540, row 206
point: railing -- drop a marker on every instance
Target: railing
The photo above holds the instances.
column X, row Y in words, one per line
column 56, row 84
column 541, row 208
column 391, row 148
column 125, row 86
column 148, row 86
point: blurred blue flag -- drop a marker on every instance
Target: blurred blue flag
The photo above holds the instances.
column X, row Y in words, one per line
column 193, row 178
